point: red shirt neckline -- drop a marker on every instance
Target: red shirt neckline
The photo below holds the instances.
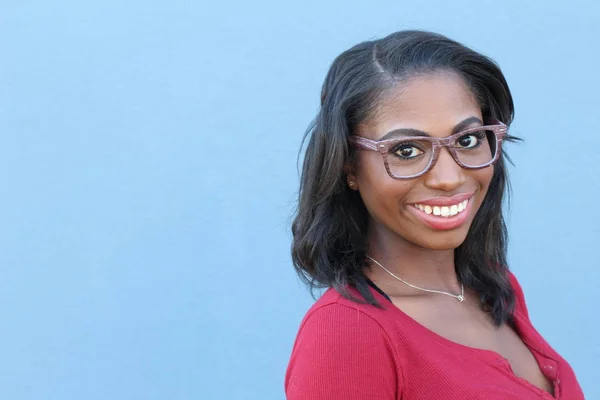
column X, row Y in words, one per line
column 523, row 329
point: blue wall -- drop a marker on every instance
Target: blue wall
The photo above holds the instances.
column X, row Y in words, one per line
column 148, row 174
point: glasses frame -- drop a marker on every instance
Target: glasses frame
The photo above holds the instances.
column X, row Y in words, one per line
column 383, row 147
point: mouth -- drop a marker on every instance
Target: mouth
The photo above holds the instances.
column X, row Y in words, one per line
column 443, row 211
column 444, row 214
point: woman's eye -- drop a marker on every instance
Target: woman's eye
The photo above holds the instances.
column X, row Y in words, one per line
column 408, row 152
column 468, row 141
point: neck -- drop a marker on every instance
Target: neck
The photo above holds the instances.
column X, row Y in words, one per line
column 427, row 268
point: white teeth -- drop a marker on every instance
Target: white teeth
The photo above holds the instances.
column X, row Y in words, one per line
column 444, row 211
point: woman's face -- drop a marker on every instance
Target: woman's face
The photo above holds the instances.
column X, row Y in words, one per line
column 438, row 104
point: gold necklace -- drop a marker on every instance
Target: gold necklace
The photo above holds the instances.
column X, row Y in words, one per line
column 460, row 297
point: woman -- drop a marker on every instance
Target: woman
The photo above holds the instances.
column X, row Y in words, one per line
column 400, row 216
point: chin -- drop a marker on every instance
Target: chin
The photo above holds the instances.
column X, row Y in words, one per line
column 442, row 241
column 443, row 246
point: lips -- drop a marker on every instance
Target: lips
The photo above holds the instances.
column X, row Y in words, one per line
column 444, row 213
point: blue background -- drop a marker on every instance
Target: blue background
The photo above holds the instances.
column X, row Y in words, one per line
column 148, row 176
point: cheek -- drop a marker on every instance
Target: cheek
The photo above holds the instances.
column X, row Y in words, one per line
column 379, row 191
column 370, row 167
column 371, row 173
column 483, row 177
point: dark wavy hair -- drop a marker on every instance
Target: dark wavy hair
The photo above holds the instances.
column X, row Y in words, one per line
column 329, row 243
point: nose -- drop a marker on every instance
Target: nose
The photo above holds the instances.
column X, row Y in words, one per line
column 445, row 174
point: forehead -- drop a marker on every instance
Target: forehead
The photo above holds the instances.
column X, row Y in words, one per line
column 434, row 103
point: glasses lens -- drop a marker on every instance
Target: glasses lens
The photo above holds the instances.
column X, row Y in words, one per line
column 475, row 149
column 410, row 158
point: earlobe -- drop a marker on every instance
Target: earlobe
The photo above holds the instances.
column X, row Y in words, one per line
column 350, row 177
column 351, row 181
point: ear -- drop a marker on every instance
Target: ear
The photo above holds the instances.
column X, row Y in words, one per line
column 350, row 177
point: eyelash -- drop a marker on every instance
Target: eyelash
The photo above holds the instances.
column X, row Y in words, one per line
column 405, row 144
column 481, row 136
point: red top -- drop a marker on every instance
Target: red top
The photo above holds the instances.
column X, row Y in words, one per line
column 351, row 351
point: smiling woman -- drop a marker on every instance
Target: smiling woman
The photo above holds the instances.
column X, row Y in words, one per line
column 400, row 217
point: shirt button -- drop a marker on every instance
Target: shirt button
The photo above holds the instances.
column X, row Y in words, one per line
column 550, row 371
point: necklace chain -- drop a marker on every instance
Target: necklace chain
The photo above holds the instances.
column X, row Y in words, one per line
column 460, row 297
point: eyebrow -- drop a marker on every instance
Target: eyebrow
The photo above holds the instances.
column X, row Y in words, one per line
column 415, row 132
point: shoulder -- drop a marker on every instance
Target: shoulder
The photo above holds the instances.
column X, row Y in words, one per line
column 342, row 346
column 333, row 308
column 336, row 321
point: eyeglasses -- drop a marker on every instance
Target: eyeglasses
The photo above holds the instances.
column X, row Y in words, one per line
column 410, row 157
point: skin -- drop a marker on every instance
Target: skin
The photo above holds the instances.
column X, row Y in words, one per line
column 434, row 103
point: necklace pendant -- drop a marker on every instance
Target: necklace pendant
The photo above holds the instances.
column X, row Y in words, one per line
column 460, row 298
